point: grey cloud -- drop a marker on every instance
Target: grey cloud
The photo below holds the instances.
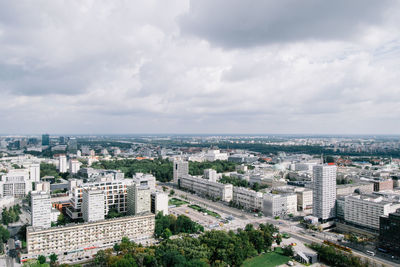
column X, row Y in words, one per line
column 238, row 24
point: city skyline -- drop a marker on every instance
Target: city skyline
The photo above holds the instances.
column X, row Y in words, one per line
column 210, row 67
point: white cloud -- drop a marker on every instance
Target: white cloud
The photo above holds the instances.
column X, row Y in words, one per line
column 126, row 67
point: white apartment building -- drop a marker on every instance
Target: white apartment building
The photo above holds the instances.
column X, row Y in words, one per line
column 215, row 154
column 210, row 175
column 15, row 183
column 62, row 163
column 324, row 192
column 180, row 169
column 74, row 166
column 138, row 199
column 159, row 202
column 304, row 199
column 34, row 172
column 247, row 198
column 206, row 188
column 93, row 203
column 365, row 210
column 40, row 209
column 114, row 189
column 87, row 236
column 279, row 204
column 145, row 179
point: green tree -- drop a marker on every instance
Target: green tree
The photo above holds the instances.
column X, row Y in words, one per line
column 288, row 251
column 167, row 234
column 42, row 259
column 53, row 259
column 278, row 239
column 4, row 234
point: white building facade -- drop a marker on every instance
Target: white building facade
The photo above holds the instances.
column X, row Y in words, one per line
column 324, row 191
column 41, row 209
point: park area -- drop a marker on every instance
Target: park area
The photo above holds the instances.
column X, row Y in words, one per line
column 269, row 259
column 203, row 210
column 177, row 202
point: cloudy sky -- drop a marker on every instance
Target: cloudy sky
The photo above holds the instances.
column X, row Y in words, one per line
column 205, row 66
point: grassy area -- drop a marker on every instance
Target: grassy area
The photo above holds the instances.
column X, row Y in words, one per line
column 177, row 202
column 270, row 259
column 209, row 212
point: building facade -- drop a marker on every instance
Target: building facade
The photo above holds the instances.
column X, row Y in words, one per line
column 279, row 204
column 41, row 209
column 93, row 203
column 389, row 229
column 159, row 202
column 138, row 199
column 15, row 183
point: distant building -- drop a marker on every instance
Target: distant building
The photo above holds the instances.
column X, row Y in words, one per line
column 215, row 154
column 181, row 168
column 384, row 184
column 41, row 209
column 74, row 166
column 93, row 205
column 42, row 187
column 62, row 163
column 138, row 199
column 45, row 139
column 211, row 175
column 360, row 188
column 159, row 202
column 34, row 172
column 324, row 193
column 389, row 229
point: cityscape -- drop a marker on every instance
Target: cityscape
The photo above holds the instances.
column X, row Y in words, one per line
column 211, row 133
column 70, row 200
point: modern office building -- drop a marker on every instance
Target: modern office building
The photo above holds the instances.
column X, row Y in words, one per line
column 62, row 163
column 93, row 203
column 45, row 139
column 74, row 166
column 159, row 202
column 114, row 189
column 181, row 168
column 203, row 187
column 365, row 210
column 247, row 198
column 86, row 236
column 279, row 204
column 40, row 209
column 324, row 191
column 138, row 199
column 389, row 229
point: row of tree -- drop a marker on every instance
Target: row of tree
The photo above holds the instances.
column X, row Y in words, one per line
column 160, row 168
column 241, row 183
column 334, row 257
column 213, row 248
column 197, row 168
column 4, row 236
column 11, row 214
column 168, row 225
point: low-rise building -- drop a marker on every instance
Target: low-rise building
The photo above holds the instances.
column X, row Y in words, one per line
column 86, row 236
column 279, row 204
column 145, row 179
column 247, row 198
column 15, row 183
column 360, row 188
column 206, row 188
column 365, row 210
column 384, row 184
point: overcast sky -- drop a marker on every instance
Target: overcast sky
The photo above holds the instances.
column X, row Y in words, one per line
column 205, row 66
